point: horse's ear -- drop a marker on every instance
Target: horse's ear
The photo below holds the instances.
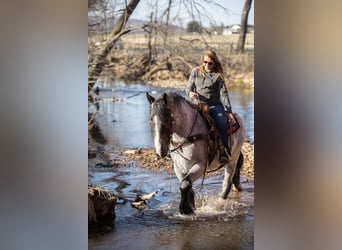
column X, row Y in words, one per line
column 150, row 98
column 165, row 98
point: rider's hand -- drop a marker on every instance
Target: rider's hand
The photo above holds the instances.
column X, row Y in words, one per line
column 193, row 95
column 227, row 109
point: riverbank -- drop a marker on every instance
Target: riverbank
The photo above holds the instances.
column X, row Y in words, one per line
column 244, row 81
column 147, row 158
column 174, row 71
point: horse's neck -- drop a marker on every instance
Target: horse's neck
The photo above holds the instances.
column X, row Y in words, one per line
column 187, row 121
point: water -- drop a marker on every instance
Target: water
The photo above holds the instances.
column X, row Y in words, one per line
column 125, row 122
column 218, row 224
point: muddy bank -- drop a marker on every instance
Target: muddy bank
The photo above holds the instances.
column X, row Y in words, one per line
column 147, row 158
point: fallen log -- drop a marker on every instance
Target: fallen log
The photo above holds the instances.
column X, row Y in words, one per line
column 101, row 204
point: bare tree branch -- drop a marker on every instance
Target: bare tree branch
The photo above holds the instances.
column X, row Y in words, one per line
column 96, row 66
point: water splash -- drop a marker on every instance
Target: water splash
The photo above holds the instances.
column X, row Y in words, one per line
column 211, row 206
column 208, row 208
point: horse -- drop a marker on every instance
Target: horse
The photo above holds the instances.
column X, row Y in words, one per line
column 182, row 132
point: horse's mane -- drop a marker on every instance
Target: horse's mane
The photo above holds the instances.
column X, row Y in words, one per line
column 177, row 99
column 163, row 111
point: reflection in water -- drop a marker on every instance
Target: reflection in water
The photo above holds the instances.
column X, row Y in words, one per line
column 243, row 103
column 123, row 118
column 95, row 133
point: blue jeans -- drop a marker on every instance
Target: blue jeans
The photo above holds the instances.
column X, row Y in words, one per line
column 219, row 115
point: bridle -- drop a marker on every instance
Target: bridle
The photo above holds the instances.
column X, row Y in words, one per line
column 189, row 139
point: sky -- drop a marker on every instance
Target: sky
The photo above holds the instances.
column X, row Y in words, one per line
column 180, row 16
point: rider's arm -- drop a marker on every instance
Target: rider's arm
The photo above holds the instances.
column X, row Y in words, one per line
column 224, row 96
column 191, row 88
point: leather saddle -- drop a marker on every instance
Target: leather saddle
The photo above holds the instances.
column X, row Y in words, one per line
column 214, row 135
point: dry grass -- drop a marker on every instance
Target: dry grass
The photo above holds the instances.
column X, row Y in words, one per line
column 218, row 42
column 238, row 68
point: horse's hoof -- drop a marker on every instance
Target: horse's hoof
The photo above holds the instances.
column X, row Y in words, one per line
column 237, row 188
column 224, row 196
column 187, row 211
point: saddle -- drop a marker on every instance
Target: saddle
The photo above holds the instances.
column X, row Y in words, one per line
column 214, row 135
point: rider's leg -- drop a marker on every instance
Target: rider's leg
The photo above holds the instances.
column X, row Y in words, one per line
column 219, row 115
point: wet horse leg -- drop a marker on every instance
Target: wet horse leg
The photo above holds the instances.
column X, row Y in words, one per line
column 187, row 203
column 236, row 177
column 229, row 171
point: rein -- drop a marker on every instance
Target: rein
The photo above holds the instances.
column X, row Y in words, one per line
column 190, row 138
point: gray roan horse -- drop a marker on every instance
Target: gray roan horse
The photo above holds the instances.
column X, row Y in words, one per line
column 179, row 130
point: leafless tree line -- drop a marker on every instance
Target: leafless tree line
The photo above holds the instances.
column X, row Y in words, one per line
column 158, row 26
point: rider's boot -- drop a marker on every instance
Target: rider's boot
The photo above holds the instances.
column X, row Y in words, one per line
column 224, row 156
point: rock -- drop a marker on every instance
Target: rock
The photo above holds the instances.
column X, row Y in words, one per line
column 131, row 152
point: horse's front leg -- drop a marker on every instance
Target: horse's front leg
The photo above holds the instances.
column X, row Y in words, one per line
column 187, row 203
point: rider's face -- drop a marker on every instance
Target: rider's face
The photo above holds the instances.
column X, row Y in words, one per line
column 208, row 63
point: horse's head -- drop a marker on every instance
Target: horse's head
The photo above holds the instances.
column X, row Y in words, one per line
column 161, row 123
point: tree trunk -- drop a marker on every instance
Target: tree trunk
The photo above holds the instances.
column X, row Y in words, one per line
column 96, row 66
column 167, row 22
column 244, row 18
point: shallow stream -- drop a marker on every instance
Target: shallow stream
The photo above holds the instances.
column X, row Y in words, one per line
column 123, row 117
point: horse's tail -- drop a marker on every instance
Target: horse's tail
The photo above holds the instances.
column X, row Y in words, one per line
column 239, row 163
column 236, row 177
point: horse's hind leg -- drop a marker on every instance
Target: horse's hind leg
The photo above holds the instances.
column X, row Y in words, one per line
column 227, row 183
column 229, row 171
column 236, row 177
column 187, row 203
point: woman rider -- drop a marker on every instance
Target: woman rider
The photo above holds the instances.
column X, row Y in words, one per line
column 206, row 82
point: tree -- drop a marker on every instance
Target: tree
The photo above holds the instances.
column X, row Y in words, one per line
column 95, row 4
column 168, row 10
column 96, row 65
column 244, row 18
column 193, row 26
